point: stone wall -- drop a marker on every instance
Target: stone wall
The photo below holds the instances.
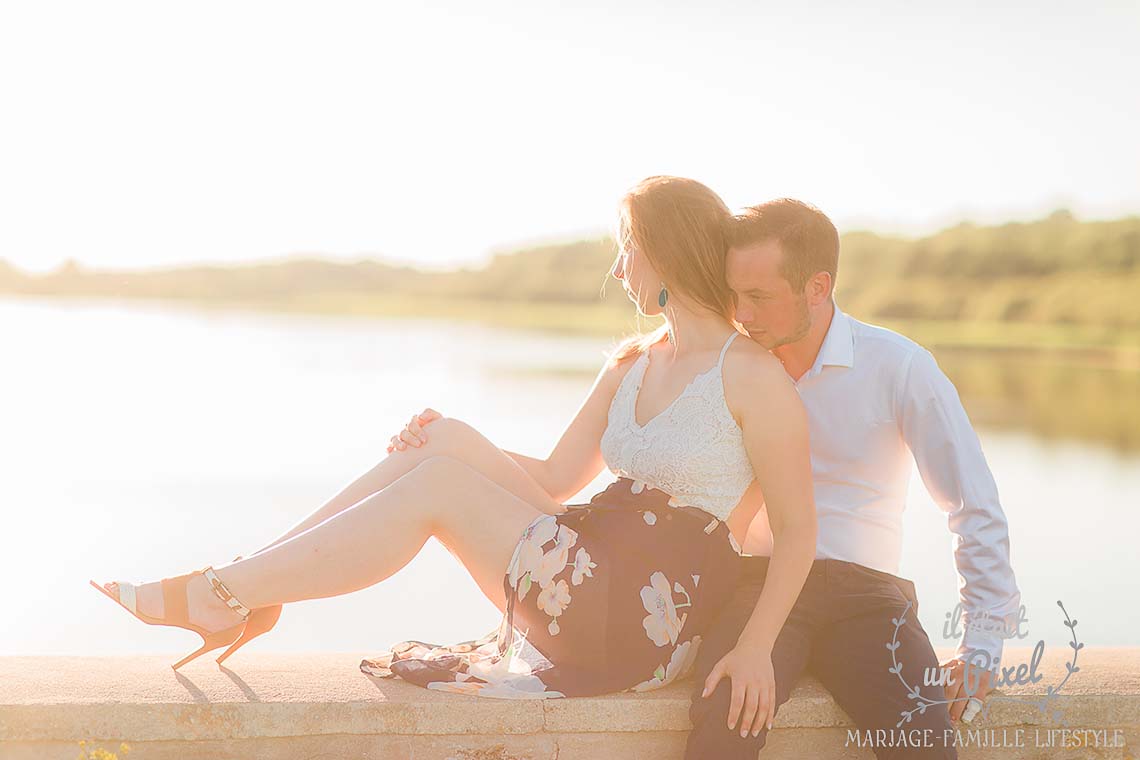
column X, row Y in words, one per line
column 319, row 705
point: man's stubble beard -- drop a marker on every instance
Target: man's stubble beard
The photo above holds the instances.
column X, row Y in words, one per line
column 803, row 327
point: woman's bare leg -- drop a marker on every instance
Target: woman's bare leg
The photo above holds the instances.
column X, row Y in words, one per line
column 478, row 520
column 450, row 438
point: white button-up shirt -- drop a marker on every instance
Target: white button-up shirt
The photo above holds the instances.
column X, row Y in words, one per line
column 872, row 395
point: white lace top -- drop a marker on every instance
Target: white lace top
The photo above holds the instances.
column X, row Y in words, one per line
column 693, row 450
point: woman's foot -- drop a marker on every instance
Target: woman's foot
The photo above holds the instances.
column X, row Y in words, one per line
column 203, row 605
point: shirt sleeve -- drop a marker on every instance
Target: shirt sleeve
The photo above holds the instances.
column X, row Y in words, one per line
column 953, row 468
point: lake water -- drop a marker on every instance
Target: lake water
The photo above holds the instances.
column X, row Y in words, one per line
column 140, row 440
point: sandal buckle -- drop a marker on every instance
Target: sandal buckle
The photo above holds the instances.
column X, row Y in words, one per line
column 224, row 593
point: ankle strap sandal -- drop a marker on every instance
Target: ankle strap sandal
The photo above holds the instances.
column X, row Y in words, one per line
column 176, row 605
column 224, row 593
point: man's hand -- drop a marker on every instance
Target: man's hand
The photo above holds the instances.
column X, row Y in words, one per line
column 413, row 433
column 753, row 687
column 981, row 681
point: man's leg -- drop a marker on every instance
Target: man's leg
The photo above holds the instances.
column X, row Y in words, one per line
column 851, row 659
column 711, row 738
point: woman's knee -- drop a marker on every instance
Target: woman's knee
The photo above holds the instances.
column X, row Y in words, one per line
column 440, row 468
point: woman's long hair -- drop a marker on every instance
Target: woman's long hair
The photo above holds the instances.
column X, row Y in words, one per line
column 679, row 225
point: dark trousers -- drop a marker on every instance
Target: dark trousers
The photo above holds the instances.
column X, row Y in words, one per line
column 837, row 631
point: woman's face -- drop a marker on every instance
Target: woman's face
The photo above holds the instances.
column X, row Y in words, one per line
column 641, row 282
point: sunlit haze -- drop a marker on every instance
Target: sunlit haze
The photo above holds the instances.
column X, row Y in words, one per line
column 153, row 134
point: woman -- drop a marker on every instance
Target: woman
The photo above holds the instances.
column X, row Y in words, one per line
column 608, row 596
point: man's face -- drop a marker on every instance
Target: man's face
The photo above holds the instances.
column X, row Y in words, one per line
column 766, row 305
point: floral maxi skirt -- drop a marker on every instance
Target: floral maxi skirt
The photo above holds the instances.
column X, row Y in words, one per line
column 608, row 596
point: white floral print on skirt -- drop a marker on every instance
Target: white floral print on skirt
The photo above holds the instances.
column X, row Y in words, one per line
column 608, row 596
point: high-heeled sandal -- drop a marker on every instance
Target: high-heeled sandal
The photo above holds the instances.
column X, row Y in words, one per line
column 260, row 621
column 176, row 610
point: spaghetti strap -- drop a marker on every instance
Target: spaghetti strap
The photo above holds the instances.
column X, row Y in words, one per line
column 724, row 350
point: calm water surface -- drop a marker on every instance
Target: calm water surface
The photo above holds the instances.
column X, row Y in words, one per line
column 138, row 441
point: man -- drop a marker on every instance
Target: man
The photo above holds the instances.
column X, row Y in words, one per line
column 871, row 394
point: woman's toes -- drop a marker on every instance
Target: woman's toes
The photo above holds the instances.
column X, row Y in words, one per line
column 149, row 600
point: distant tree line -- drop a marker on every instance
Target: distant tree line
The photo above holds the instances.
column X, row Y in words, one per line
column 1057, row 270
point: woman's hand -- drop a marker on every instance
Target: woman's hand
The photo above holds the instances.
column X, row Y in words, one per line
column 413, row 433
column 749, row 669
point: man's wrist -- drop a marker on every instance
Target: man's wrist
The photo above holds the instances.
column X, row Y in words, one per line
column 982, row 651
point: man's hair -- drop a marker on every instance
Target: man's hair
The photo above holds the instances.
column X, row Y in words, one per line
column 808, row 239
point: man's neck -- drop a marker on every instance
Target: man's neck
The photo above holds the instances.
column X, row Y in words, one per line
column 798, row 357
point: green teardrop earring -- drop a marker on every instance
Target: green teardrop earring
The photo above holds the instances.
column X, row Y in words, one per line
column 662, row 297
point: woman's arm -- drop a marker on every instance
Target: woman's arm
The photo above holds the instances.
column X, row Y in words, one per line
column 577, row 458
column 775, row 427
column 539, row 469
column 774, row 422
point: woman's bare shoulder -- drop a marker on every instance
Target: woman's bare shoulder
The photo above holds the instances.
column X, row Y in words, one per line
column 614, row 370
column 754, row 378
column 748, row 360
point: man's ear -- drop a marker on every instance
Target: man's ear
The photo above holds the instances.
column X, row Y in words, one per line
column 818, row 288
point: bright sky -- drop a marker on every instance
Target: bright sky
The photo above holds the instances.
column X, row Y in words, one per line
column 149, row 134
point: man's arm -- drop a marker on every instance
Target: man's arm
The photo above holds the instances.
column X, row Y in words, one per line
column 954, row 470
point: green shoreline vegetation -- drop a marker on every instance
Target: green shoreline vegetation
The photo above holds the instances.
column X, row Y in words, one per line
column 1037, row 324
column 1055, row 284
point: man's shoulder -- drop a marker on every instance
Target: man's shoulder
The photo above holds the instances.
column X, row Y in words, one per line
column 883, row 342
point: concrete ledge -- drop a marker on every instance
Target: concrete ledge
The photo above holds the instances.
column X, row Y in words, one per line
column 320, row 705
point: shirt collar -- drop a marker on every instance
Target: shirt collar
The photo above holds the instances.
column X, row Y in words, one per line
column 838, row 347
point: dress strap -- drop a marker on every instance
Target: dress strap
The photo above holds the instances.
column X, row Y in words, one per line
column 632, row 380
column 724, row 350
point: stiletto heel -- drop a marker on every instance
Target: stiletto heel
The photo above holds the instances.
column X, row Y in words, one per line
column 260, row 621
column 176, row 609
column 211, row 642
